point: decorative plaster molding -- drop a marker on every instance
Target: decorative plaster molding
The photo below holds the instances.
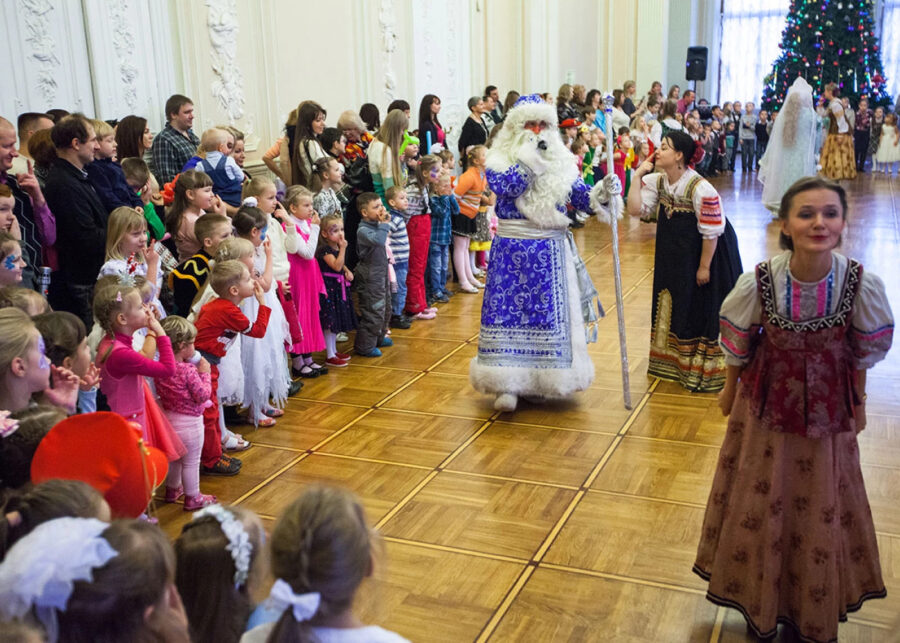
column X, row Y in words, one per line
column 227, row 88
column 388, row 24
column 37, row 25
column 123, row 41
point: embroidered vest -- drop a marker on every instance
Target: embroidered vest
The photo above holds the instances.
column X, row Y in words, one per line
column 802, row 379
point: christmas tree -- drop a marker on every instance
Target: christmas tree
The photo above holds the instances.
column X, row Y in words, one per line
column 829, row 41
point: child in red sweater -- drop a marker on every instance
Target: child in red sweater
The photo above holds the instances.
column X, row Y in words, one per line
column 218, row 323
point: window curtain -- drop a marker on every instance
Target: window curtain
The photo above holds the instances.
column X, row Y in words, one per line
column 889, row 42
column 751, row 32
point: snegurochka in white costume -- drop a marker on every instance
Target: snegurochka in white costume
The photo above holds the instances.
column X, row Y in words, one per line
column 540, row 308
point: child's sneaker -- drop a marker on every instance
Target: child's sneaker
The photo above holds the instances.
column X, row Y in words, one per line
column 341, row 337
column 386, row 341
column 336, row 362
column 344, row 356
column 224, row 467
column 372, row 353
column 425, row 315
column 199, row 501
column 431, row 309
column 174, row 494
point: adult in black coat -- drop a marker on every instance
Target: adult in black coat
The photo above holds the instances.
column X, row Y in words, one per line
column 80, row 215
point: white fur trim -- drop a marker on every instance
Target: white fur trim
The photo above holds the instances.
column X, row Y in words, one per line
column 550, row 383
column 550, row 186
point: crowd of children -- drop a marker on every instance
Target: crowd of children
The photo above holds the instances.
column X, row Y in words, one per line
column 216, row 293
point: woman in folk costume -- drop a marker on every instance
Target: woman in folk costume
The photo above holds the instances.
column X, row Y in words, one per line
column 788, row 535
column 837, row 159
column 695, row 267
column 791, row 152
column 539, row 309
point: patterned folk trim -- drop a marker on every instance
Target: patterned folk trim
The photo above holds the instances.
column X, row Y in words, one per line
column 509, row 344
column 848, row 294
column 670, row 203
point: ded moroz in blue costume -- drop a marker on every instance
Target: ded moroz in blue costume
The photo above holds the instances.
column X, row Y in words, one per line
column 540, row 308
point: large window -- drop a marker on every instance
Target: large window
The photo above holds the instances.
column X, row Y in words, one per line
column 751, row 32
column 889, row 40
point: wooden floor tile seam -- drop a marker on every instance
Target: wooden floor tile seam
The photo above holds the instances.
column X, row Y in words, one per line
column 665, row 501
column 462, row 447
column 357, row 458
column 346, row 426
column 490, row 476
column 624, row 579
column 279, row 447
column 687, row 394
column 554, row 531
column 875, row 465
column 300, row 398
column 397, row 391
column 887, row 534
column 402, row 336
column 597, row 468
column 270, row 478
column 405, row 500
column 716, row 633
column 645, row 398
column 456, row 550
column 867, row 623
column 651, row 438
column 597, row 253
column 351, row 366
column 434, row 415
column 550, row 427
column 445, row 357
column 636, row 496
column 513, row 593
column 637, row 284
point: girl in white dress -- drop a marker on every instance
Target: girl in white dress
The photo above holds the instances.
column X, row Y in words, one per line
column 263, row 359
column 889, row 145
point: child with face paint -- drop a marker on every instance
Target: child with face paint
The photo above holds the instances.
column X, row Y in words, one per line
column 265, row 383
column 25, row 369
column 11, row 262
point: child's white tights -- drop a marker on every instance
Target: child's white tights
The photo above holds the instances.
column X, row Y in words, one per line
column 330, row 343
column 462, row 264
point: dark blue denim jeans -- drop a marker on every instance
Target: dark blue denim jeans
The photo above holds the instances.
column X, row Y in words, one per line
column 438, row 258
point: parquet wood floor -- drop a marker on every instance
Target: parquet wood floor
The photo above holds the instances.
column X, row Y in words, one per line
column 572, row 521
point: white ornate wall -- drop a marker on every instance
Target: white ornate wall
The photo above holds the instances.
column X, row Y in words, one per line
column 249, row 62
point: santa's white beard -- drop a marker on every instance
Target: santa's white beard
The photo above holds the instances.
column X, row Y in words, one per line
column 551, row 187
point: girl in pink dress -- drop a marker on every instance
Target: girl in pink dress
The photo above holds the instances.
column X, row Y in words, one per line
column 120, row 311
column 305, row 280
column 788, row 534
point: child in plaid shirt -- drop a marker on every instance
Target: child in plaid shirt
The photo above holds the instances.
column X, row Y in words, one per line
column 443, row 207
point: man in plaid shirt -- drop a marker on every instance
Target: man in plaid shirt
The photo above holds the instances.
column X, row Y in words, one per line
column 176, row 143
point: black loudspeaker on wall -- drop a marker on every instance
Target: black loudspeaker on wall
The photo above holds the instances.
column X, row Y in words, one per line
column 696, row 63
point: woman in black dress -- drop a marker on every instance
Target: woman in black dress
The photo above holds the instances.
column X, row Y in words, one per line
column 696, row 265
column 473, row 132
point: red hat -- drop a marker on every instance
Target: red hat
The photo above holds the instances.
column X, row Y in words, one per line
column 569, row 122
column 107, row 452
